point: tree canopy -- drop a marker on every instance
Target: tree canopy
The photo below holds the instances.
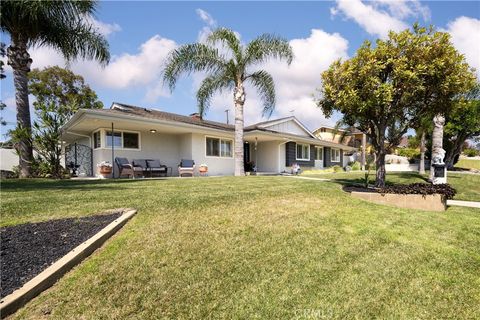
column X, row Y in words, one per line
column 388, row 88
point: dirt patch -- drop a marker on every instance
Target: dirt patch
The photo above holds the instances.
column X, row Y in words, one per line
column 28, row 249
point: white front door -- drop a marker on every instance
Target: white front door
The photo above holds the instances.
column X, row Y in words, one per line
column 319, row 157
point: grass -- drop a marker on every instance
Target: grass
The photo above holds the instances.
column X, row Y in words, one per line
column 468, row 164
column 254, row 247
column 467, row 185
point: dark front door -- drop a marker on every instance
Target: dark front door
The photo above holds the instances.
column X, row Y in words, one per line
column 246, row 155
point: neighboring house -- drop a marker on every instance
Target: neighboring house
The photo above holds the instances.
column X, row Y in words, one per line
column 351, row 137
column 141, row 133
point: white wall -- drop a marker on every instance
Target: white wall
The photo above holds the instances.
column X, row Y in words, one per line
column 288, row 127
column 216, row 165
column 268, row 156
column 8, row 159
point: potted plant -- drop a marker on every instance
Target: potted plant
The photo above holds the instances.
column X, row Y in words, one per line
column 203, row 169
column 104, row 168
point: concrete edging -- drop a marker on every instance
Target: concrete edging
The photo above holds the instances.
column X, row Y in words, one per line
column 49, row 276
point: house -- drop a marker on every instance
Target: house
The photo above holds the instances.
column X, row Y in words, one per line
column 352, row 137
column 141, row 133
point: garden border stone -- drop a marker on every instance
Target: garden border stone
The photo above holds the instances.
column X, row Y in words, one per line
column 49, row 276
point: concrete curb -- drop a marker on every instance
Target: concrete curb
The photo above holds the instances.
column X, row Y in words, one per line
column 49, row 276
column 461, row 203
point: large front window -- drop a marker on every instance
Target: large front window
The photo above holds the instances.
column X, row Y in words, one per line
column 335, row 155
column 303, row 151
column 216, row 147
column 121, row 139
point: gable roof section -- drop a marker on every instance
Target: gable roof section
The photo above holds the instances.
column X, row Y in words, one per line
column 267, row 126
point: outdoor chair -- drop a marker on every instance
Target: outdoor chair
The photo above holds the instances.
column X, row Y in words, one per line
column 140, row 165
column 124, row 167
column 155, row 167
column 186, row 167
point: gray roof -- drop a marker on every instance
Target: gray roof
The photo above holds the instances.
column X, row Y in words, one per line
column 121, row 108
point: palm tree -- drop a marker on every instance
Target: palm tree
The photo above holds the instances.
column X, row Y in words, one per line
column 63, row 25
column 229, row 70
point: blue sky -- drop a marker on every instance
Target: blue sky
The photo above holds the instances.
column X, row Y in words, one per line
column 141, row 34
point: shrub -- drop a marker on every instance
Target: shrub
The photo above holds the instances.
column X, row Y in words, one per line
column 420, row 188
column 409, row 153
column 355, row 165
column 469, row 152
column 337, row 168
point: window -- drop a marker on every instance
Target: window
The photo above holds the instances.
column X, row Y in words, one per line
column 125, row 140
column 216, row 147
column 130, row 140
column 117, row 139
column 335, row 155
column 318, row 153
column 303, row 151
column 96, row 140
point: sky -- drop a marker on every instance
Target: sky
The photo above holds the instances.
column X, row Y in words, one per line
column 142, row 33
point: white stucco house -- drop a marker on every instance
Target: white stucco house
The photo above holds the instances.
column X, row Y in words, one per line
column 141, row 133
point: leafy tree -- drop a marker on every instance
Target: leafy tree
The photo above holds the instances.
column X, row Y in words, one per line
column 229, row 72
column 387, row 89
column 462, row 123
column 59, row 94
column 62, row 25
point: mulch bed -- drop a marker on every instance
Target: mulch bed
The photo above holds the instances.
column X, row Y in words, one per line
column 28, row 249
column 413, row 188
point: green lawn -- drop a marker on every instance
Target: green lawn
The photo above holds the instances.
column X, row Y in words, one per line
column 468, row 164
column 255, row 247
column 467, row 185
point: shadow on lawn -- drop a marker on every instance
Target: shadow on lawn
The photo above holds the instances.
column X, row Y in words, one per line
column 11, row 185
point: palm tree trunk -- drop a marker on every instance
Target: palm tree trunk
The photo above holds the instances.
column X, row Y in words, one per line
column 421, row 169
column 239, row 100
column 20, row 61
column 438, row 153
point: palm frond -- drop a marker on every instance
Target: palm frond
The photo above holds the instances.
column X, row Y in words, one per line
column 211, row 84
column 268, row 46
column 191, row 58
column 265, row 85
column 229, row 38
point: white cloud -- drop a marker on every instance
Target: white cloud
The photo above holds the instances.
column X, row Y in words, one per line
column 104, row 28
column 381, row 16
column 124, row 71
column 465, row 36
column 210, row 24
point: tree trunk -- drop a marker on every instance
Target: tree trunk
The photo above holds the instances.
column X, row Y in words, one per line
column 380, row 167
column 20, row 61
column 438, row 154
column 239, row 100
column 421, row 168
column 364, row 147
column 455, row 150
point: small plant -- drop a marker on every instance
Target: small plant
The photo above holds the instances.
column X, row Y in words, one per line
column 355, row 165
column 470, row 152
column 337, row 168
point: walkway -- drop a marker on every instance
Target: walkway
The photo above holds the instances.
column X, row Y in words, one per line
column 460, row 203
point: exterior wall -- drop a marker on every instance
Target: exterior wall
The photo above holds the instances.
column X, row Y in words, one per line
column 216, row 165
column 327, row 160
column 164, row 147
column 291, row 156
column 288, row 127
column 268, row 156
column 185, row 146
column 8, row 159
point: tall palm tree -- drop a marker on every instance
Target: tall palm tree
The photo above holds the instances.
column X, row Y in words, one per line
column 63, row 25
column 229, row 70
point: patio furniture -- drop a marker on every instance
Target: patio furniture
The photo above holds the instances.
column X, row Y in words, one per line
column 155, row 167
column 140, row 165
column 186, row 167
column 125, row 168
